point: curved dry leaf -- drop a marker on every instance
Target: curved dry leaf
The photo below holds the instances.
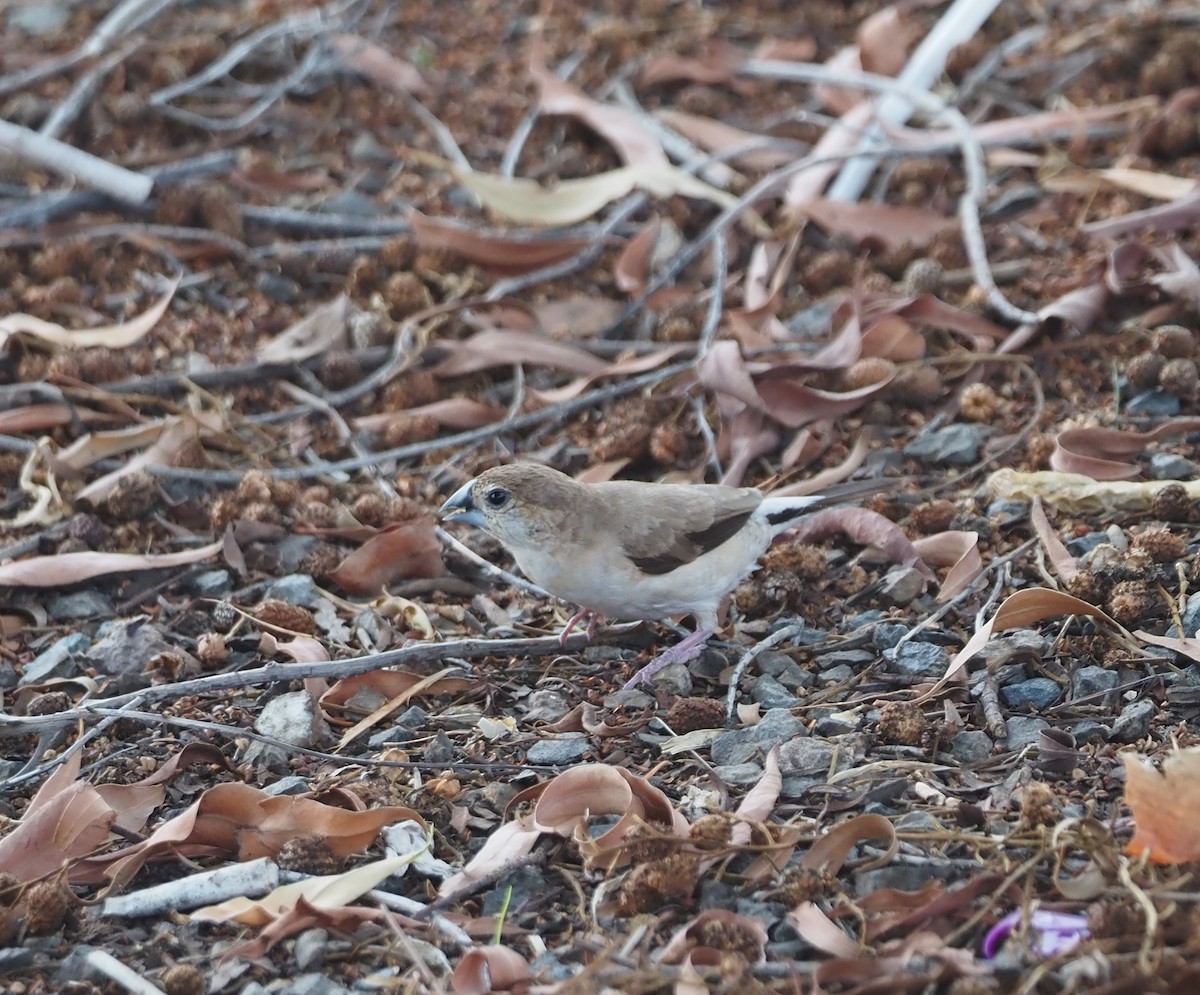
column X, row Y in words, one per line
column 501, row 253
column 760, row 800
column 957, row 550
column 1188, row 646
column 509, row 842
column 304, row 649
column 376, row 63
column 1164, row 804
column 1020, row 611
column 1181, row 278
column 577, row 317
column 1064, row 564
column 379, row 686
column 621, row 128
column 324, row 328
column 66, row 819
column 871, row 223
column 431, row 684
column 866, row 527
column 236, row 818
column 326, row 891
column 452, row 412
column 38, row 417
column 63, row 569
column 410, row 549
column 108, row 336
column 763, row 387
column 177, row 434
column 483, row 970
column 622, row 367
column 1091, row 450
column 760, row 151
column 581, row 793
column 830, row 851
column 816, row 928
column 570, row 202
column 717, row 62
column 493, row 347
column 689, row 936
column 632, row 268
column 745, row 437
column 892, row 337
column 1077, row 494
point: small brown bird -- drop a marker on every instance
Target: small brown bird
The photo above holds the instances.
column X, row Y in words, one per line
column 634, row 550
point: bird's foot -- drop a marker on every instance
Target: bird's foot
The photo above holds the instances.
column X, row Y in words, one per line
column 591, row 616
column 683, row 651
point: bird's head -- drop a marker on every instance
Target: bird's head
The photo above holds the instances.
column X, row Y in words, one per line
column 521, row 504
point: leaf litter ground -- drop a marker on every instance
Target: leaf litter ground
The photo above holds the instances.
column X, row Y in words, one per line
column 267, row 727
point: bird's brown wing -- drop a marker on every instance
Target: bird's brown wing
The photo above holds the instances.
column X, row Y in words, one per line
column 663, row 527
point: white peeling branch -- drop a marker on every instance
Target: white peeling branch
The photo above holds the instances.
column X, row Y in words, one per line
column 115, row 181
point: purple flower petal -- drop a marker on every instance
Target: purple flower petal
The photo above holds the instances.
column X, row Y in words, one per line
column 1053, row 932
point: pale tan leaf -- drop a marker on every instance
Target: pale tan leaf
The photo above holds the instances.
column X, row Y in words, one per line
column 109, row 336
column 322, row 329
column 71, row 568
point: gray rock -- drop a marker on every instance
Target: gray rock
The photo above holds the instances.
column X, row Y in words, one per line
column 834, row 725
column 1171, row 466
column 1093, row 680
column 309, row 949
column 57, row 661
column 278, row 287
column 918, row 822
column 440, row 750
column 856, row 623
column 1089, row 731
column 885, row 635
column 839, row 675
column 971, row 746
column 127, row 646
column 293, row 784
column 777, row 725
column 289, row 719
column 292, row 549
column 313, row 984
column 805, row 757
column 543, row 706
column 732, row 748
column 741, row 775
column 1005, row 511
column 957, row 444
column 1153, row 402
column 80, row 605
column 295, row 589
column 901, row 586
column 353, row 203
column 902, row 877
column 1190, row 617
column 769, row 693
column 856, row 660
column 1037, row 692
column 785, row 670
column 38, row 18
column 1023, row 730
column 917, row 659
column 1134, row 722
column 1082, row 545
column 562, row 750
column 675, row 679
column 211, row 584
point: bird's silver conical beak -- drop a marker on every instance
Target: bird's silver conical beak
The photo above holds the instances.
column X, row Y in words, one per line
column 460, row 508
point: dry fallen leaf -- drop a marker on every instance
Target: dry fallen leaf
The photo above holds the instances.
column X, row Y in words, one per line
column 107, row 336
column 71, row 568
column 1164, row 804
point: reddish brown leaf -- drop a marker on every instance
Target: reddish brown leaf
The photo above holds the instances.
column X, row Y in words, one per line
column 500, row 253
column 407, row 550
column 1164, row 804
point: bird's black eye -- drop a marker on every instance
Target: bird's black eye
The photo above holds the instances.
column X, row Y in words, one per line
column 495, row 497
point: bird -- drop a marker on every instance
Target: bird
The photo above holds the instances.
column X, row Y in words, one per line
column 634, row 550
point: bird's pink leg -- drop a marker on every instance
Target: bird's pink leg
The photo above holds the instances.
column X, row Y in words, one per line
column 575, row 619
column 683, row 651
